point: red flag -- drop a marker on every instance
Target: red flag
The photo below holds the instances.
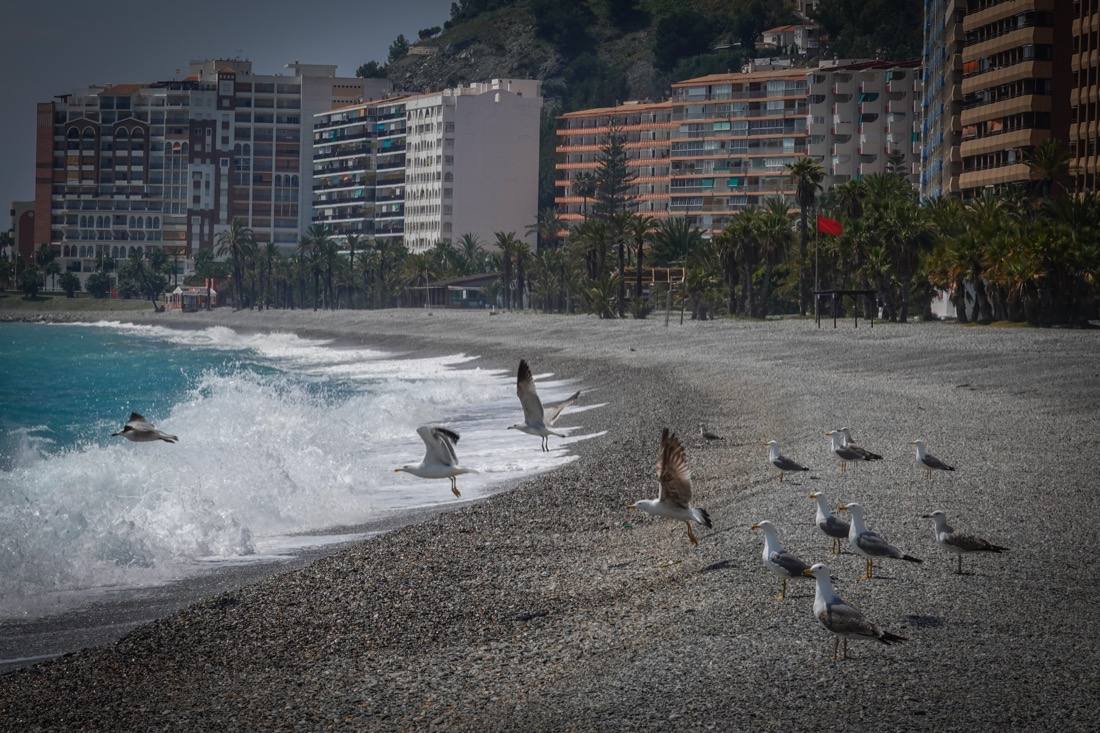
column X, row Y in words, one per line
column 825, row 225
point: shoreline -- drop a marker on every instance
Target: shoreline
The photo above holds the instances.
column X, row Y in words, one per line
column 546, row 607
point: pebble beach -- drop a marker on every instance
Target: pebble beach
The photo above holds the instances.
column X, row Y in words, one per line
column 550, row 607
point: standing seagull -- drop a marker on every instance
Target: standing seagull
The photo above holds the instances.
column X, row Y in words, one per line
column 845, row 453
column 849, row 443
column 140, row 430
column 870, row 544
column 778, row 560
column 929, row 461
column 827, row 522
column 838, row 617
column 536, row 421
column 708, row 435
column 780, row 461
column 960, row 544
column 440, row 460
column 674, row 499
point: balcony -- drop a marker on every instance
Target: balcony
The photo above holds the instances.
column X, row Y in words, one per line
column 342, row 151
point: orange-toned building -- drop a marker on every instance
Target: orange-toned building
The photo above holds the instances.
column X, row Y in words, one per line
column 1084, row 129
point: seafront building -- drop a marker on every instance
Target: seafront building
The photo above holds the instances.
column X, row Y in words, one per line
column 941, row 101
column 431, row 167
column 1084, row 100
column 122, row 168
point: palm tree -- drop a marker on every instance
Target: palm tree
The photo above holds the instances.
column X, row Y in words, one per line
column 330, row 256
column 507, row 244
column 235, row 243
column 325, row 251
column 419, row 268
column 744, row 231
column 638, row 229
column 470, row 254
column 584, row 185
column 546, row 229
column 353, row 243
column 774, row 238
column 674, row 239
column 1049, row 165
column 271, row 258
column 806, row 174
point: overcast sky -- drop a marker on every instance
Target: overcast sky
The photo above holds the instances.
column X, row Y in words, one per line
column 50, row 47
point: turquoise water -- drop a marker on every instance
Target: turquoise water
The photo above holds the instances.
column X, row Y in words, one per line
column 278, row 435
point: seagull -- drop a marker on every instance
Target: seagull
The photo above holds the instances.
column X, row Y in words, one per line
column 929, row 461
column 844, row 452
column 849, row 443
column 536, row 420
column 439, row 460
column 870, row 544
column 707, row 435
column 846, row 622
column 780, row 461
column 140, row 430
column 828, row 523
column 960, row 544
column 674, row 499
column 778, row 560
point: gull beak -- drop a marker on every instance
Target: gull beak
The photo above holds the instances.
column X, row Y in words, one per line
column 115, row 434
column 926, row 516
column 397, row 470
column 913, row 442
column 842, row 507
column 808, row 573
column 630, row 507
column 755, row 526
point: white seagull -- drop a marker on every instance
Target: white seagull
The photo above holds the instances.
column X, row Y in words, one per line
column 828, row 523
column 536, row 419
column 929, row 461
column 849, row 443
column 674, row 499
column 846, row 453
column 778, row 560
column 780, row 461
column 960, row 544
column 440, row 460
column 870, row 545
column 140, row 430
column 844, row 621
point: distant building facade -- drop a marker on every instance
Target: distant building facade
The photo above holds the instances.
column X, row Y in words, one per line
column 1084, row 130
column 22, row 229
column 128, row 167
column 432, row 167
column 941, row 102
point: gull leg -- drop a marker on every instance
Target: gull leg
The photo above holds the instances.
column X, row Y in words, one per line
column 454, row 487
column 836, row 647
column 691, row 534
column 870, row 570
column 780, row 477
column 844, row 646
column 783, row 592
column 960, row 570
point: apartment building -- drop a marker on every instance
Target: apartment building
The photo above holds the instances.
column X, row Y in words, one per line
column 732, row 138
column 646, row 128
column 432, row 167
column 941, row 98
column 863, row 119
column 123, row 168
column 1084, row 100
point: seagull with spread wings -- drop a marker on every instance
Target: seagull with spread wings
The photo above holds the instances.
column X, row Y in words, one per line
column 929, row 461
column 440, row 460
column 537, row 420
column 674, row 499
column 778, row 560
column 844, row 621
column 960, row 544
column 780, row 461
column 871, row 545
column 140, row 430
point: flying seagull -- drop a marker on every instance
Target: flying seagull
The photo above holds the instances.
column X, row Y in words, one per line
column 845, row 453
column 849, row 443
column 844, row 621
column 870, row 545
column 708, row 435
column 674, row 499
column 828, row 523
column 929, row 461
column 780, row 461
column 140, row 430
column 960, row 544
column 439, row 460
column 536, row 419
column 778, row 560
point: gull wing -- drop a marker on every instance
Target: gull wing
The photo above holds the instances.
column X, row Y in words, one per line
column 440, row 443
column 840, row 618
column 672, row 471
column 136, row 417
column 835, row 527
column 876, row 544
column 786, row 464
column 970, row 543
column 932, row 462
column 788, row 562
column 554, row 410
column 528, row 397
column 866, row 454
column 851, row 453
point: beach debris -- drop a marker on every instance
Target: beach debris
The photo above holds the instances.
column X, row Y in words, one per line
column 868, row 544
column 778, row 560
column 844, row 621
column 140, row 430
column 960, row 544
column 440, row 459
column 674, row 498
column 537, row 420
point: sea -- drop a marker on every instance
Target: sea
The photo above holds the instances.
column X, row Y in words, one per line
column 284, row 443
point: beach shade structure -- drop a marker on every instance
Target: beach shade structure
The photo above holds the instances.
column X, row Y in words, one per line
column 778, row 560
column 848, row 442
column 841, row 619
column 870, row 545
column 140, row 430
column 674, row 497
column 929, row 461
column 846, row 454
column 828, row 523
column 780, row 461
column 440, row 459
column 537, row 420
column 960, row 544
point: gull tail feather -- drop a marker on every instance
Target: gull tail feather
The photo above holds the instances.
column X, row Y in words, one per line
column 888, row 638
column 910, row 558
column 702, row 517
column 167, row 438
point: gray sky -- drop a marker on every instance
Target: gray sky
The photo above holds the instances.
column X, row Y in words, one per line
column 46, row 50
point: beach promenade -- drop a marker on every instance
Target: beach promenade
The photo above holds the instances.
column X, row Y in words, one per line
column 550, row 607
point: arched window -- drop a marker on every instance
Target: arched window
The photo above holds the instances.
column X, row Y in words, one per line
column 148, row 222
column 114, row 252
column 99, row 222
column 156, row 222
column 278, row 180
column 133, row 224
column 237, row 149
column 247, row 150
column 294, row 181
